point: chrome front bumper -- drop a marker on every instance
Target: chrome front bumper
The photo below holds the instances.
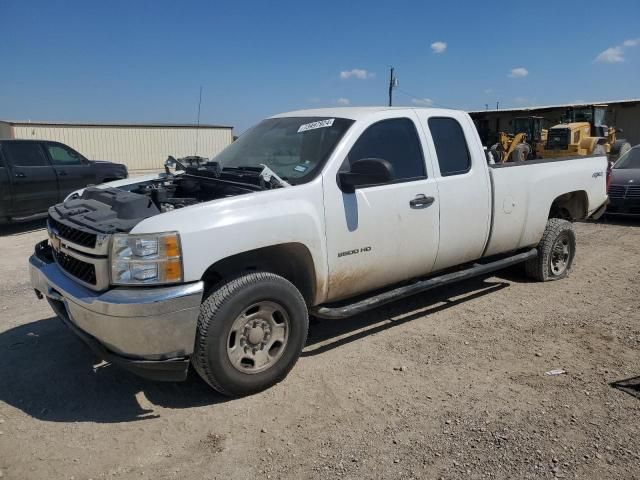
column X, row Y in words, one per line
column 140, row 326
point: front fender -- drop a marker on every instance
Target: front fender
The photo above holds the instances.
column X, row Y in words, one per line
column 219, row 229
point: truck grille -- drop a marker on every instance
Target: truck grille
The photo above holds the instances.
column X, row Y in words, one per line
column 633, row 192
column 73, row 235
column 81, row 270
column 622, row 191
column 616, row 191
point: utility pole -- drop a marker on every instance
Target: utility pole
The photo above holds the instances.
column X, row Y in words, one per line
column 497, row 105
column 486, row 106
column 393, row 82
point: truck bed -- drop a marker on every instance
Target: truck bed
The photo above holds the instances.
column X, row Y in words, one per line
column 524, row 193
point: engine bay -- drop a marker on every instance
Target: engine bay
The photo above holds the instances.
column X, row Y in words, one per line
column 110, row 210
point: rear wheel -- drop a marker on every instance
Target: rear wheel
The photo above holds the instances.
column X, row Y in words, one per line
column 497, row 152
column 520, row 152
column 556, row 252
column 251, row 331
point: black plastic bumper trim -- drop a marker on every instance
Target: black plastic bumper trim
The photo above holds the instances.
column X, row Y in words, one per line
column 170, row 370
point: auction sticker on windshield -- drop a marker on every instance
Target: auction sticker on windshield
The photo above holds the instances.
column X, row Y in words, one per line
column 314, row 125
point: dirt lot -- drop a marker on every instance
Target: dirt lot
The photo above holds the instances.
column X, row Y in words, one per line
column 446, row 385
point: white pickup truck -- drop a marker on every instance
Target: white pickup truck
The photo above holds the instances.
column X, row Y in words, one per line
column 329, row 212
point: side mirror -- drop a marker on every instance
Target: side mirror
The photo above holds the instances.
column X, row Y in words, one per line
column 365, row 172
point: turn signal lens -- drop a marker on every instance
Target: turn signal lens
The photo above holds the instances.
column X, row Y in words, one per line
column 171, row 246
column 172, row 270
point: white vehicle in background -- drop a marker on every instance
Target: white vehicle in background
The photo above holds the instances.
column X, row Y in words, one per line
column 220, row 265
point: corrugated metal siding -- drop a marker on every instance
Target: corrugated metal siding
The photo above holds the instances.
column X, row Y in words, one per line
column 5, row 130
column 140, row 148
column 628, row 119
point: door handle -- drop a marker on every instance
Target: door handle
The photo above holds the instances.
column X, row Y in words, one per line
column 62, row 173
column 20, row 175
column 421, row 201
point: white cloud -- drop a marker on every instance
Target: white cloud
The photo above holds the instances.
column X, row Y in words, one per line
column 616, row 54
column 519, row 72
column 343, row 101
column 438, row 47
column 357, row 73
column 522, row 100
column 611, row 55
column 488, row 90
column 423, row 102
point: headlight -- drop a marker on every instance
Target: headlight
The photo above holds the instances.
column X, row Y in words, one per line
column 153, row 258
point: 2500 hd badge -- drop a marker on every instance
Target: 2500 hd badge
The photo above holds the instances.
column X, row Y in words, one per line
column 354, row 252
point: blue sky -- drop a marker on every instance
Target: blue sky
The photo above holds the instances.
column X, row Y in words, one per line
column 144, row 61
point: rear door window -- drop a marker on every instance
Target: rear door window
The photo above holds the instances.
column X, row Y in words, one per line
column 451, row 146
column 25, row 154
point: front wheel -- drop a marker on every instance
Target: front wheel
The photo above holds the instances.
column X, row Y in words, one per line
column 556, row 252
column 251, row 331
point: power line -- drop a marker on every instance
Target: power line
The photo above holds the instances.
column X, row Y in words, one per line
column 393, row 84
column 419, row 97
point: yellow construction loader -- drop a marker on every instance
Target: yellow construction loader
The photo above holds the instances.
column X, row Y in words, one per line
column 583, row 132
column 528, row 138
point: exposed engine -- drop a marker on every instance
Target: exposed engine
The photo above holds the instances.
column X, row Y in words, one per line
column 109, row 210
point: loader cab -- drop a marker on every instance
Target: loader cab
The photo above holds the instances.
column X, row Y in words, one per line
column 532, row 126
column 594, row 115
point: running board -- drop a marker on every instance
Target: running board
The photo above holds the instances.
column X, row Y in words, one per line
column 421, row 286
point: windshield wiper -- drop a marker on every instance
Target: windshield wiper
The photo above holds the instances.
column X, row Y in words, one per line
column 267, row 175
column 264, row 172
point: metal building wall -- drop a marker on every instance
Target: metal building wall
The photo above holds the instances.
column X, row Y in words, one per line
column 5, row 130
column 628, row 119
column 138, row 147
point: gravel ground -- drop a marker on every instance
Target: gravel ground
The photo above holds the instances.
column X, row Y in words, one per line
column 449, row 385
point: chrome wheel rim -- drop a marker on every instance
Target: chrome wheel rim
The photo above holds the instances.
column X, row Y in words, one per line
column 560, row 254
column 258, row 337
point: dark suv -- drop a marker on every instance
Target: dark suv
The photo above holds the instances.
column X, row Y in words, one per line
column 35, row 174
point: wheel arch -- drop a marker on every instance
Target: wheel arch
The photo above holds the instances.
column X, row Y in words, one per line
column 570, row 206
column 292, row 261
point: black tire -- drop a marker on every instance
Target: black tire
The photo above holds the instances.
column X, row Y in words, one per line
column 520, row 152
column 497, row 152
column 220, row 311
column 558, row 235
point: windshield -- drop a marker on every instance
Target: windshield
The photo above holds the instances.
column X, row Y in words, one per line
column 629, row 160
column 521, row 125
column 295, row 148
